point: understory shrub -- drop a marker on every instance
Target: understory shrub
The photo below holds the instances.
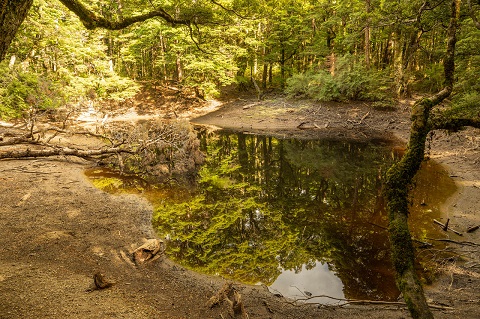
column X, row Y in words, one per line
column 351, row 81
column 24, row 91
column 430, row 80
column 466, row 105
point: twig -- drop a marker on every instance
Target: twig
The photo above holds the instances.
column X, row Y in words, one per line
column 465, row 243
column 364, row 117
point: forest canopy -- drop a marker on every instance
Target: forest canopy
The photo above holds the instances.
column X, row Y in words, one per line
column 324, row 50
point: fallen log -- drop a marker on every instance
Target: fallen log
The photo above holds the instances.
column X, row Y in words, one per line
column 63, row 151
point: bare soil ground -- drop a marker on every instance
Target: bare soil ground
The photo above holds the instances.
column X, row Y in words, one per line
column 57, row 230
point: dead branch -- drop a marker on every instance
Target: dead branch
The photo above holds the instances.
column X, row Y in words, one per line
column 63, row 151
column 464, row 243
column 366, row 302
column 472, row 229
column 445, row 227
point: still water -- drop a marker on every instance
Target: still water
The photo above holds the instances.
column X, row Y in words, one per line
column 300, row 216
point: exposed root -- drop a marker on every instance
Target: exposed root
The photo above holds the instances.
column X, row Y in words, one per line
column 231, row 296
column 100, row 282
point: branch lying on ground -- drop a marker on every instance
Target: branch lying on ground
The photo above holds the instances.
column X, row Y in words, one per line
column 465, row 243
column 31, row 153
column 366, row 302
column 37, row 142
column 29, row 138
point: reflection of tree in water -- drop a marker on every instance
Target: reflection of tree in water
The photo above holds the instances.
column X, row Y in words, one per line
column 264, row 203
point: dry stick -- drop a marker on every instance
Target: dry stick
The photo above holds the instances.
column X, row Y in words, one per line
column 445, row 227
column 364, row 117
column 370, row 302
column 472, row 229
column 465, row 243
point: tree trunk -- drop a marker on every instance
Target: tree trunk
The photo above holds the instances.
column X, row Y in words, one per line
column 12, row 14
column 367, row 36
column 282, row 67
column 399, row 181
column 264, row 76
column 179, row 69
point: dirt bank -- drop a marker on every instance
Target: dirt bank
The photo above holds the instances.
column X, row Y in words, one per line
column 58, row 230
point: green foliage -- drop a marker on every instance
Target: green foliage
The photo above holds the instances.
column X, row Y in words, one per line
column 287, row 39
column 466, row 100
column 22, row 91
column 429, row 80
column 351, row 81
column 298, row 85
column 465, row 105
column 109, row 87
column 56, row 62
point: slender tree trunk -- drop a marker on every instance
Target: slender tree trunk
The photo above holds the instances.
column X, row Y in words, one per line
column 178, row 64
column 164, row 54
column 270, row 73
column 264, row 76
column 12, row 14
column 399, row 181
column 398, row 63
column 367, row 36
column 282, row 67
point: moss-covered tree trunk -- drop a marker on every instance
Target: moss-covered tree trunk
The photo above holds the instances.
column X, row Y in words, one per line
column 12, row 14
column 399, row 182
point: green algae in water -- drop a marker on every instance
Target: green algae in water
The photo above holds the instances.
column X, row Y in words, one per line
column 282, row 212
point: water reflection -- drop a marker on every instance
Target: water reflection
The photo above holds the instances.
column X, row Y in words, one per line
column 306, row 214
column 310, row 282
column 266, row 204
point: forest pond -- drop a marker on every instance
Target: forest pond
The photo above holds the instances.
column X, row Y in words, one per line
column 304, row 217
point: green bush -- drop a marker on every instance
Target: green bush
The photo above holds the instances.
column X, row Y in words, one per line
column 465, row 105
column 297, row 85
column 22, row 91
column 324, row 87
column 430, row 80
column 351, row 81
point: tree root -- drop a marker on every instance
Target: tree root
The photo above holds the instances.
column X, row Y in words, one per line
column 230, row 295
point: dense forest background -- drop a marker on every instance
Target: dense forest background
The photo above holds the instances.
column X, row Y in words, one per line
column 374, row 50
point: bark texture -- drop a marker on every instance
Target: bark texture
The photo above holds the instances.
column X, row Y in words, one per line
column 91, row 21
column 12, row 14
column 399, row 182
column 62, row 151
